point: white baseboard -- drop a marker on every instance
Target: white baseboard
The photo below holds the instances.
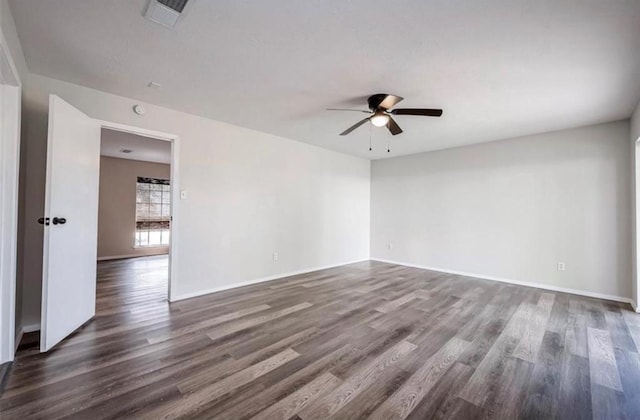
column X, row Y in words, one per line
column 635, row 306
column 260, row 280
column 30, row 328
column 121, row 257
column 516, row 282
column 24, row 330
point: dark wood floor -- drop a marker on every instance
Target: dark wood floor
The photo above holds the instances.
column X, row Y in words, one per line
column 368, row 340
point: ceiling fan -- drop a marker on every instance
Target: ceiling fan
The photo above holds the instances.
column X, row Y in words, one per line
column 380, row 112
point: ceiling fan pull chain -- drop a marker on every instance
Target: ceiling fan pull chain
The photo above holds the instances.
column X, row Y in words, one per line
column 388, row 144
column 370, row 137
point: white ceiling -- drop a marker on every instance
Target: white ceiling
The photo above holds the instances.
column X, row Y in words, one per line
column 143, row 148
column 498, row 68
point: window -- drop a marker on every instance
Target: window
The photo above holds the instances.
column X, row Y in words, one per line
column 153, row 212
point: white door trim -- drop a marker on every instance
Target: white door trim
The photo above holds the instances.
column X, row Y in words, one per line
column 636, row 216
column 10, row 120
column 175, row 194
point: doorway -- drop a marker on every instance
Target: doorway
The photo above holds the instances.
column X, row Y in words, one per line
column 71, row 218
column 134, row 219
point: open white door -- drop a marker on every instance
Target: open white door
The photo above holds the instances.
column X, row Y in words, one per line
column 71, row 222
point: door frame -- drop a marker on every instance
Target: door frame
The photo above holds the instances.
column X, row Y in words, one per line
column 635, row 300
column 10, row 124
column 175, row 193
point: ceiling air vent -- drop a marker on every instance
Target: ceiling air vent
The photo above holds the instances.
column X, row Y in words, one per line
column 165, row 12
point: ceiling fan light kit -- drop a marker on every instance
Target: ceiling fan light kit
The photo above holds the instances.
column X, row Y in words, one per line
column 379, row 119
column 380, row 113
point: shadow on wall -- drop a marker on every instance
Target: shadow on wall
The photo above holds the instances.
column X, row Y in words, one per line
column 31, row 207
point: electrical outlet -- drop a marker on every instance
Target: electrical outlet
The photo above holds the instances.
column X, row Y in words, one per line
column 183, row 194
column 275, row 256
column 561, row 266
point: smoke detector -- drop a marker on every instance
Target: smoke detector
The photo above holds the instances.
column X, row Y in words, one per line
column 139, row 109
column 165, row 12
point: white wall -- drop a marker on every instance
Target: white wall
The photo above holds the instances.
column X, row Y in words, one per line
column 513, row 209
column 635, row 204
column 10, row 35
column 117, row 206
column 249, row 194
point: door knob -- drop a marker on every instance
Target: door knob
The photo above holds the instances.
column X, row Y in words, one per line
column 44, row 221
column 59, row 220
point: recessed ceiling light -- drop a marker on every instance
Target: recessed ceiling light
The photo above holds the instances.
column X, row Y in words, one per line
column 126, row 150
column 154, row 85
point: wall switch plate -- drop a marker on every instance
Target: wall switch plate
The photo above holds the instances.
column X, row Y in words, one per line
column 561, row 266
column 275, row 256
column 183, row 194
column 389, row 245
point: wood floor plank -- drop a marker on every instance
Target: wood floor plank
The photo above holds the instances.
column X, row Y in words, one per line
column 365, row 403
column 192, row 402
column 298, row 378
column 544, row 386
column 291, row 405
column 619, row 331
column 574, row 397
column 629, row 369
column 245, row 324
column 602, row 360
column 403, row 401
column 394, row 304
column 608, row 403
column 488, row 373
column 507, row 395
column 633, row 324
column 576, row 335
column 213, row 373
column 441, row 401
column 534, row 329
column 207, row 323
column 328, row 405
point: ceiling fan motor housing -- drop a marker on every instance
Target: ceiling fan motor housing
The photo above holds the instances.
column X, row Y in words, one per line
column 375, row 101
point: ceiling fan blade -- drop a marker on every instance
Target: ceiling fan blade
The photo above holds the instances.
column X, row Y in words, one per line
column 393, row 127
column 390, row 101
column 417, row 111
column 343, row 109
column 353, row 127
column 383, row 101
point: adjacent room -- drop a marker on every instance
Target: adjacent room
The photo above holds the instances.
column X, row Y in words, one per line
column 319, row 210
column 134, row 219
